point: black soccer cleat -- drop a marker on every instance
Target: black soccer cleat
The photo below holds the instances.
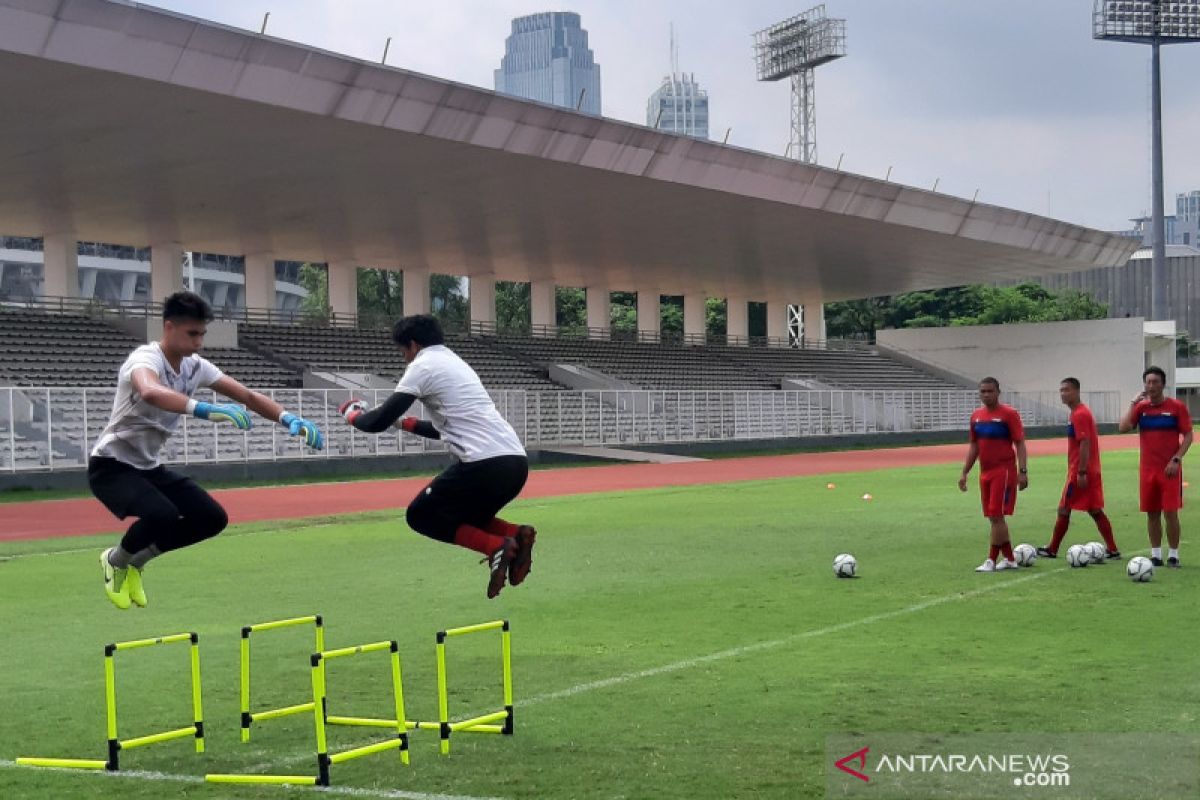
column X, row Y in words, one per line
column 522, row 562
column 498, row 564
column 1173, row 563
column 1111, row 554
column 1046, row 552
column 1158, row 562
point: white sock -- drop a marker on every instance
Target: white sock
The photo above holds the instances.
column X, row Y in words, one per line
column 1156, row 552
column 1173, row 552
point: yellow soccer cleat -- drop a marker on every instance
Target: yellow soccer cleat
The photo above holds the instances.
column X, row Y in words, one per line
column 133, row 585
column 115, row 585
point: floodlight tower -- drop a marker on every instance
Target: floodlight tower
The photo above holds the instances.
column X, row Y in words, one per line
column 793, row 49
column 1152, row 22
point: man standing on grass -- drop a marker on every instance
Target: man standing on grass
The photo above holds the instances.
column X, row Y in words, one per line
column 996, row 432
column 1085, row 487
column 1165, row 432
column 154, row 388
column 460, row 505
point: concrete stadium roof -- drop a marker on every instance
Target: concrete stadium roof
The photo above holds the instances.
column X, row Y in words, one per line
column 125, row 123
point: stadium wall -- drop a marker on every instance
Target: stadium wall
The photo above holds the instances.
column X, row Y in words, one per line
column 1105, row 355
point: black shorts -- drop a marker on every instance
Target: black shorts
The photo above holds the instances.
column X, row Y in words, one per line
column 470, row 492
column 123, row 489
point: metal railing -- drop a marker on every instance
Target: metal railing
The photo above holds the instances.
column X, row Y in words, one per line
column 54, row 428
column 103, row 309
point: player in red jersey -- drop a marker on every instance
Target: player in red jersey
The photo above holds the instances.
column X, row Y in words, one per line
column 1085, row 487
column 998, row 441
column 1165, row 430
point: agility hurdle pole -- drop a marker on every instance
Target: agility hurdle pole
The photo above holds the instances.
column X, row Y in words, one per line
column 116, row 744
column 249, row 717
column 485, row 723
column 324, row 759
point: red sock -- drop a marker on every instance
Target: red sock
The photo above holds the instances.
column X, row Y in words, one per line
column 500, row 527
column 1006, row 548
column 1060, row 530
column 993, row 551
column 1106, row 531
column 472, row 538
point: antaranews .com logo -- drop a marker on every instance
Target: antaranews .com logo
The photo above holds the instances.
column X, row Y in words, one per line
column 1024, row 769
column 894, row 765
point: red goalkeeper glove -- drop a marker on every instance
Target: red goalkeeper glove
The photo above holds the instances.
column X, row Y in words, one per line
column 352, row 409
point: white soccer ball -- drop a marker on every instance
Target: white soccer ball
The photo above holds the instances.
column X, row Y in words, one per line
column 1096, row 552
column 1078, row 556
column 1139, row 569
column 845, row 565
column 1026, row 554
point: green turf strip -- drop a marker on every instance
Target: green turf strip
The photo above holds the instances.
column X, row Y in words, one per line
column 670, row 643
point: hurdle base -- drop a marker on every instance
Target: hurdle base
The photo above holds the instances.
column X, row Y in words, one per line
column 62, row 763
column 297, row 780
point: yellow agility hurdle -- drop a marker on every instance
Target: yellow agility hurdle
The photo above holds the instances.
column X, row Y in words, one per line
column 485, row 723
column 324, row 758
column 249, row 717
column 116, row 744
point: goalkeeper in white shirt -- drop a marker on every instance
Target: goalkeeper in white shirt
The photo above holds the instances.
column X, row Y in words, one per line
column 460, row 505
column 154, row 388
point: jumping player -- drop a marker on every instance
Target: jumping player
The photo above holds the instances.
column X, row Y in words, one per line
column 996, row 432
column 460, row 505
column 1085, row 486
column 1165, row 431
column 154, row 388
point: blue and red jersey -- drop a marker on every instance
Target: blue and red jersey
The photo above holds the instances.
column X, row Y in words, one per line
column 1082, row 427
column 996, row 431
column 1159, row 430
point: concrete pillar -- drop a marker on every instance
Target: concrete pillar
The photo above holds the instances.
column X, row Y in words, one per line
column 814, row 321
column 777, row 332
column 87, row 284
column 166, row 270
column 649, row 315
column 737, row 321
column 416, row 291
column 343, row 292
column 541, row 307
column 60, row 266
column 694, row 313
column 599, row 312
column 128, row 286
column 260, row 281
column 482, row 295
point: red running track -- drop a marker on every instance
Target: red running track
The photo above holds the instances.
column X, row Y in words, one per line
column 53, row 518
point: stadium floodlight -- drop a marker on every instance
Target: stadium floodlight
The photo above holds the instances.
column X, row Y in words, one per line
column 1152, row 22
column 792, row 49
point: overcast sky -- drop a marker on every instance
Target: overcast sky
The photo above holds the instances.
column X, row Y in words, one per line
column 1012, row 98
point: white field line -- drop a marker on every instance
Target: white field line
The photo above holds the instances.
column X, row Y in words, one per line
column 734, row 652
column 97, row 548
column 170, row 777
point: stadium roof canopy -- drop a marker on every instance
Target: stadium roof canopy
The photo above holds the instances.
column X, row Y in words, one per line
column 124, row 123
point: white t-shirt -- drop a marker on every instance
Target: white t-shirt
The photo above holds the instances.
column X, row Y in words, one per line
column 458, row 405
column 137, row 431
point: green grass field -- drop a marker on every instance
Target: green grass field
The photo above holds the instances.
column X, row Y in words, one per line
column 674, row 643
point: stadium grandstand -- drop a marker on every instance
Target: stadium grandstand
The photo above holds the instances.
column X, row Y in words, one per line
column 726, row 222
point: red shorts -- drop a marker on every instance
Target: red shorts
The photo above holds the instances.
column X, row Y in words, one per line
column 1160, row 493
column 998, row 490
column 1089, row 499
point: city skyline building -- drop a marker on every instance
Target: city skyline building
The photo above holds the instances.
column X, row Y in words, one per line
column 547, row 58
column 679, row 105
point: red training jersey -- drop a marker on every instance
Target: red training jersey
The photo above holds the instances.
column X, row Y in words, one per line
column 996, row 431
column 1081, row 427
column 1159, row 428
